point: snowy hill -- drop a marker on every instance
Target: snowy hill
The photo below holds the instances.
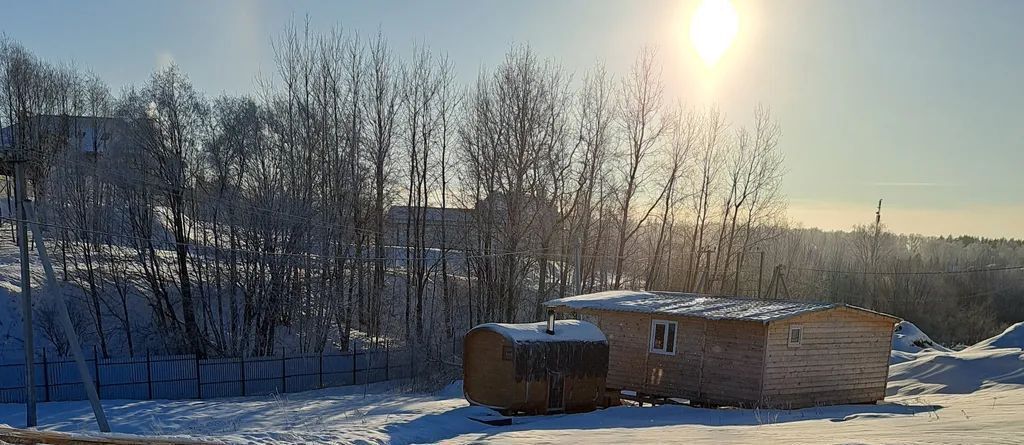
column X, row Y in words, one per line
column 1012, row 337
column 907, row 337
column 990, row 363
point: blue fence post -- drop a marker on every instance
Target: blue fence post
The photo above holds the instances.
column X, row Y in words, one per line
column 241, row 363
column 96, row 369
column 284, row 380
column 149, row 377
column 355, row 353
column 320, row 371
column 46, row 378
column 199, row 376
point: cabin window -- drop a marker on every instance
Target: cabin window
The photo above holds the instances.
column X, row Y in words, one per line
column 506, row 352
column 796, row 335
column 663, row 337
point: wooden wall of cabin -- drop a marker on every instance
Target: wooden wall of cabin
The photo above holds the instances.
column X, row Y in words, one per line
column 716, row 361
column 487, row 377
column 733, row 361
column 627, row 336
column 843, row 357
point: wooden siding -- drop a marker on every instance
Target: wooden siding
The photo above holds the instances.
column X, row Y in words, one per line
column 733, row 360
column 627, row 336
column 490, row 380
column 487, row 378
column 716, row 361
column 843, row 357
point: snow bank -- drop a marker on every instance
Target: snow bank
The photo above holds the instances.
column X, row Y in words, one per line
column 565, row 330
column 907, row 337
column 1012, row 337
column 957, row 372
column 900, row 357
column 936, row 370
column 452, row 391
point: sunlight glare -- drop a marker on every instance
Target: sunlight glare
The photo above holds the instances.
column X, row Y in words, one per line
column 713, row 28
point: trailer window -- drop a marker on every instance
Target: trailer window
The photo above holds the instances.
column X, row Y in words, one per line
column 663, row 337
column 796, row 335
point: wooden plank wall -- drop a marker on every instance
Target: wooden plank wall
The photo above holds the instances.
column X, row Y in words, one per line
column 675, row 375
column 486, row 375
column 490, row 380
column 716, row 361
column 627, row 335
column 733, row 361
column 843, row 358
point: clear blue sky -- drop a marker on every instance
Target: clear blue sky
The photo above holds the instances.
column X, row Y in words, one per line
column 917, row 102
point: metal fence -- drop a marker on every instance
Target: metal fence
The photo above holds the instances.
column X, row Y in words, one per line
column 185, row 377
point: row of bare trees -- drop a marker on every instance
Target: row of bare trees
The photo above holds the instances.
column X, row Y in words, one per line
column 363, row 195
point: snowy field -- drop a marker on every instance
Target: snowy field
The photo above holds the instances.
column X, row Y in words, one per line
column 935, row 396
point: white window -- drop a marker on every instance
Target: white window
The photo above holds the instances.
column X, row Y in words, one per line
column 663, row 337
column 796, row 335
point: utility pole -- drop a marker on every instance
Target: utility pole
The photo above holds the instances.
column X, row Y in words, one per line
column 877, row 235
column 577, row 274
column 69, row 330
column 26, row 294
column 736, row 281
column 778, row 279
column 760, row 272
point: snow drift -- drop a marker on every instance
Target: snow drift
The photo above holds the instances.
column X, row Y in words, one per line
column 907, row 337
column 1012, row 337
column 936, row 370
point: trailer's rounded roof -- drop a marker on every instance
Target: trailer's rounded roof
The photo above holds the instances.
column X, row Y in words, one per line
column 565, row 331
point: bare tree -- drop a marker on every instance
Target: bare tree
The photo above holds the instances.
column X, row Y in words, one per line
column 643, row 126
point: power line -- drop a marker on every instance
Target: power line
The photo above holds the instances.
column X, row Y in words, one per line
column 930, row 272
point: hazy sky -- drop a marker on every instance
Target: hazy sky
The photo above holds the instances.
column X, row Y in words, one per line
column 917, row 102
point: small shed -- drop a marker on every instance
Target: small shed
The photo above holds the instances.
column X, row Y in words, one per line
column 527, row 368
column 739, row 351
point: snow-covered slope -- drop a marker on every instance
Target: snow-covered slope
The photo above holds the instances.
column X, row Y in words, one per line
column 907, row 337
column 993, row 362
column 1012, row 337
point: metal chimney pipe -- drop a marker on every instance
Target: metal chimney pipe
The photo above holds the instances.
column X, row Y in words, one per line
column 551, row 322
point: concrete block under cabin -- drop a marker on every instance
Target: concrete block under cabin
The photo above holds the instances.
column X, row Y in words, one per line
column 524, row 368
column 738, row 351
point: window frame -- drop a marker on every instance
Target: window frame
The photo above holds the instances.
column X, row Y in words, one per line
column 800, row 337
column 675, row 336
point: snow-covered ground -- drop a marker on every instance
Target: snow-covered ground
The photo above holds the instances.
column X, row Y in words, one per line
column 935, row 396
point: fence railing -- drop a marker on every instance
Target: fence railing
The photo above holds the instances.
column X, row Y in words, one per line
column 185, row 377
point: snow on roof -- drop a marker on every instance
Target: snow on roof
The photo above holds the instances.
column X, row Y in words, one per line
column 565, row 330
column 692, row 305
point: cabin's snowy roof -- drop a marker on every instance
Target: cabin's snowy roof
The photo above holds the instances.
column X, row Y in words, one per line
column 565, row 330
column 692, row 305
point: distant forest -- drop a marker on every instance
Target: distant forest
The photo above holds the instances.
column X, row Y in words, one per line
column 237, row 224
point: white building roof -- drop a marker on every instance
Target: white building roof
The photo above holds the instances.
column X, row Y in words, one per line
column 565, row 330
column 694, row 305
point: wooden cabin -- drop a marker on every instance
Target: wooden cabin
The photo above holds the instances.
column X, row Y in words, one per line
column 535, row 368
column 738, row 351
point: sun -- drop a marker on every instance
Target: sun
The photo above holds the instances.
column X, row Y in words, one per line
column 713, row 29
